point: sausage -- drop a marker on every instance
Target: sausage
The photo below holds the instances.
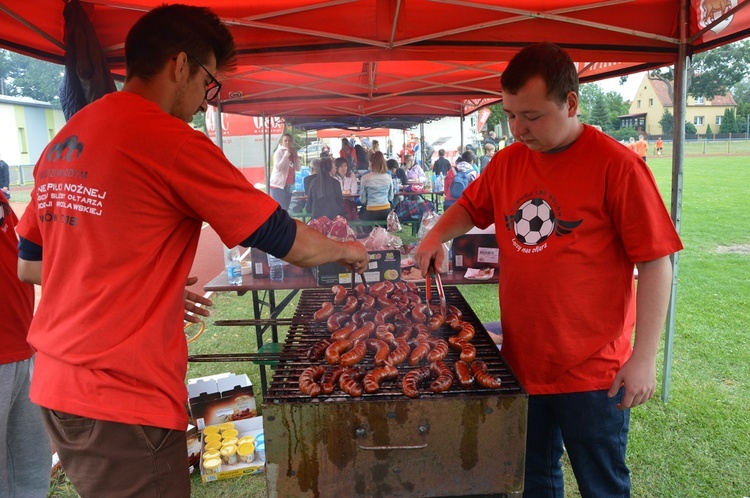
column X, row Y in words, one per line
column 354, row 355
column 467, row 331
column 339, row 293
column 385, row 335
column 368, row 302
column 439, row 351
column 399, row 320
column 336, row 321
column 384, row 301
column 344, row 332
column 330, row 378
column 419, row 313
column 463, row 374
column 351, row 305
column 420, row 352
column 398, row 355
column 308, row 380
column 318, row 349
column 385, row 314
column 349, row 384
column 412, row 286
column 453, row 322
column 467, row 350
column 401, row 287
column 376, row 289
column 421, row 329
column 381, row 350
column 412, row 379
column 452, row 310
column 483, row 377
column 333, row 352
column 389, row 287
column 360, row 290
column 444, row 377
column 413, row 298
column 405, row 332
column 324, row 312
column 362, row 332
column 373, row 378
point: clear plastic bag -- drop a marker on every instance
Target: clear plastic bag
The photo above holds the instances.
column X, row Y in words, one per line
column 429, row 220
column 393, row 223
column 380, row 240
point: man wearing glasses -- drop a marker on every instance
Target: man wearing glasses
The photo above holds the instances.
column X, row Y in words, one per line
column 120, row 196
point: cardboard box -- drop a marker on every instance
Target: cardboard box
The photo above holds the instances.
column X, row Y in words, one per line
column 259, row 262
column 476, row 249
column 248, row 427
column 383, row 265
column 221, row 398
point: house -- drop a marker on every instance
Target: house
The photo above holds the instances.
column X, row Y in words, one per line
column 655, row 95
column 26, row 127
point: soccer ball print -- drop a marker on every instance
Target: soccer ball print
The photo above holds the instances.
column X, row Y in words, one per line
column 534, row 222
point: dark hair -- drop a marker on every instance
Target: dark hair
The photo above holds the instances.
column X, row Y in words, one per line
column 392, row 164
column 325, row 166
column 546, row 60
column 441, row 152
column 469, row 157
column 361, row 156
column 168, row 30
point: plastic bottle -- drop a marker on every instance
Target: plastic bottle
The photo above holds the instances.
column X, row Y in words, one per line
column 233, row 265
column 276, row 268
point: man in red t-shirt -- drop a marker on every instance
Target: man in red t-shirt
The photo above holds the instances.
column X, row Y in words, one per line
column 120, row 196
column 575, row 213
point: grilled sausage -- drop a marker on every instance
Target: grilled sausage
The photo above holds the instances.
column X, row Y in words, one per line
column 405, row 332
column 368, row 302
column 381, row 350
column 439, row 351
column 333, row 352
column 412, row 286
column 463, row 374
column 362, row 332
column 385, row 314
column 349, row 384
column 373, row 378
column 444, row 377
column 376, row 289
column 354, row 355
column 399, row 355
column 385, row 302
column 351, row 305
column 325, row 311
column 419, row 313
column 467, row 350
column 467, row 331
column 330, row 378
column 452, row 310
column 339, row 292
column 344, row 332
column 420, row 352
column 412, row 379
column 385, row 335
column 360, row 290
column 483, row 377
column 308, row 380
column 336, row 321
column 318, row 350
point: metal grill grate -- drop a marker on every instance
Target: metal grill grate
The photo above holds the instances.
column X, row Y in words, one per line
column 305, row 332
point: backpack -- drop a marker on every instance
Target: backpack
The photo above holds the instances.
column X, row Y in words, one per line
column 460, row 182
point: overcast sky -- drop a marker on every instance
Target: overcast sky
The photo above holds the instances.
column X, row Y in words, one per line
column 627, row 90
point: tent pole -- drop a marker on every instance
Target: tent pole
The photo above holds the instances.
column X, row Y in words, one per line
column 217, row 125
column 678, row 156
column 267, row 151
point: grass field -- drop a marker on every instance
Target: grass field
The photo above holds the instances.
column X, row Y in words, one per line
column 696, row 445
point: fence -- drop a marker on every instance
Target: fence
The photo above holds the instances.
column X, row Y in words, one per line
column 707, row 146
column 23, row 174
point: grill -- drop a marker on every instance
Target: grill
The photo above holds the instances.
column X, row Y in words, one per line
column 460, row 442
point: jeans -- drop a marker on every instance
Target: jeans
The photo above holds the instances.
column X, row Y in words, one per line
column 282, row 196
column 595, row 434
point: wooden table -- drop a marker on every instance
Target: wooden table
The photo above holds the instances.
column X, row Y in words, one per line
column 256, row 286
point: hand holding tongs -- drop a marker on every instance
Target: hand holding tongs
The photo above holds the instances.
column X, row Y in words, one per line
column 441, row 292
column 361, row 275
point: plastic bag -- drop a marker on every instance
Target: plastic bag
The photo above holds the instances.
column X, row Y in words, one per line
column 429, row 220
column 380, row 240
column 393, row 223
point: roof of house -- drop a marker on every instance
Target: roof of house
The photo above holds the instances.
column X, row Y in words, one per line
column 662, row 90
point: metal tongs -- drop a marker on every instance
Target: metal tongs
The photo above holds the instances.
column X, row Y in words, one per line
column 441, row 292
column 362, row 276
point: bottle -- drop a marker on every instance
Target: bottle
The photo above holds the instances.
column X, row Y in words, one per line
column 276, row 268
column 233, row 265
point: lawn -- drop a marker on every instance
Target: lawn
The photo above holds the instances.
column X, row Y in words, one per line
column 697, row 444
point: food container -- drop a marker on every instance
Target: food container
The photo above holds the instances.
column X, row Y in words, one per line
column 213, row 446
column 246, row 439
column 210, row 454
column 212, row 438
column 211, row 429
column 212, row 466
column 229, row 454
column 260, row 438
column 229, row 442
column 261, row 448
column 226, row 426
column 246, row 452
column 229, row 434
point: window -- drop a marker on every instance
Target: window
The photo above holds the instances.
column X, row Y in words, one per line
column 23, row 144
column 639, row 104
column 718, row 120
column 698, row 120
column 651, row 102
column 700, row 100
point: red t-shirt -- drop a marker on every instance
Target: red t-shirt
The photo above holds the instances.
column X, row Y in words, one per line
column 17, row 297
column 120, row 195
column 570, row 226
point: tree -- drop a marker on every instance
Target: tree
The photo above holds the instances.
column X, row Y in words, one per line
column 728, row 123
column 709, row 131
column 23, row 76
column 600, row 115
column 667, row 122
column 690, row 128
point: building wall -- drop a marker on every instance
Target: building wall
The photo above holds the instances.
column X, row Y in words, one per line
column 26, row 129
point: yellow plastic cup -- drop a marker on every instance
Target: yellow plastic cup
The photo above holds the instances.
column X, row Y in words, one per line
column 246, row 439
column 225, row 426
column 212, row 438
column 208, row 455
column 212, row 466
column 211, row 429
column 213, row 446
column 229, row 454
column 229, row 434
column 230, row 442
column 246, row 452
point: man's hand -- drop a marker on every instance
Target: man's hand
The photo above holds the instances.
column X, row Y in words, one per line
column 356, row 256
column 193, row 303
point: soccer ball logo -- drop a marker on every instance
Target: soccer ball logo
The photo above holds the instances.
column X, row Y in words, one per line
column 534, row 222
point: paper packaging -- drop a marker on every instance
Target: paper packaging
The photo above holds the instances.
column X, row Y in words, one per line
column 221, row 398
column 476, row 249
column 248, row 427
column 383, row 265
column 259, row 262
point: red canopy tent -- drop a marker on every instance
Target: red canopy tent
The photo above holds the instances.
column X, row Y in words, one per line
column 381, row 60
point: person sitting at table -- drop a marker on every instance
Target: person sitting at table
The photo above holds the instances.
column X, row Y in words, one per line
column 307, row 181
column 346, row 177
column 324, row 198
column 414, row 172
column 396, row 171
column 376, row 190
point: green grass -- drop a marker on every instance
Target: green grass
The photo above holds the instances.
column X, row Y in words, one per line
column 697, row 444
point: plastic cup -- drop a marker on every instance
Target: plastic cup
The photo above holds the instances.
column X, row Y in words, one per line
column 212, row 466
column 246, row 452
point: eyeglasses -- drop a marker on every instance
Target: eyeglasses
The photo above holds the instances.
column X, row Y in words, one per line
column 214, row 87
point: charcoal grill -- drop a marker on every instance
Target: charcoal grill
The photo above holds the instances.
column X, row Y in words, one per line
column 461, row 442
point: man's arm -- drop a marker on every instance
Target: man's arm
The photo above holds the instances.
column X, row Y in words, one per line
column 454, row 222
column 30, row 271
column 312, row 248
column 638, row 374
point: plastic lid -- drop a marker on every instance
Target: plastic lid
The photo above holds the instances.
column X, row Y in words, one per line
column 212, row 464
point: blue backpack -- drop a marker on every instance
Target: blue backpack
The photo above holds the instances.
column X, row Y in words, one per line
column 460, row 182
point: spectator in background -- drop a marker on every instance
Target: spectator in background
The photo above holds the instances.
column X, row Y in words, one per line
column 376, row 190
column 414, row 173
column 489, row 151
column 463, row 165
column 490, row 139
column 375, row 148
column 25, row 451
column 397, row 171
column 641, row 147
column 362, row 157
column 405, row 151
column 659, row 147
column 4, row 178
column 442, row 165
column 348, row 153
column 346, row 177
column 325, row 197
column 314, row 170
column 631, row 144
column 286, row 163
column 501, row 142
